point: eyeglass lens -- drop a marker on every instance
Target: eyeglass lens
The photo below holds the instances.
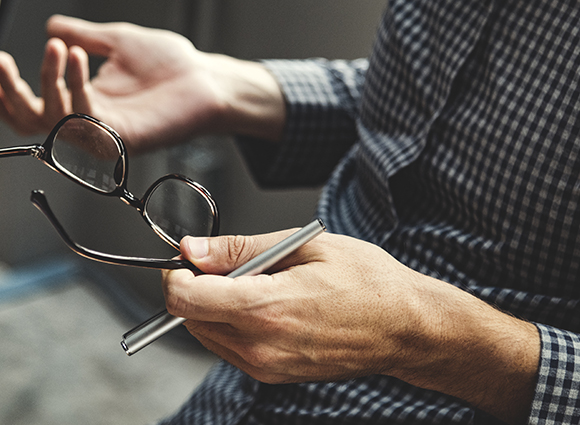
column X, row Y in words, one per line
column 176, row 209
column 174, row 206
column 88, row 153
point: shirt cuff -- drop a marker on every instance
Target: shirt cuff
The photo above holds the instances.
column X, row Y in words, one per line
column 556, row 399
column 319, row 128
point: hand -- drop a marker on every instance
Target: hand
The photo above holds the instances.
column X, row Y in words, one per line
column 305, row 322
column 154, row 88
column 341, row 308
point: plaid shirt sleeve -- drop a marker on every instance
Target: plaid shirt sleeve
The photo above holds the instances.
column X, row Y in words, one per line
column 322, row 100
column 557, row 397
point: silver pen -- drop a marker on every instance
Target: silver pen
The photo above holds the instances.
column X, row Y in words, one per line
column 158, row 325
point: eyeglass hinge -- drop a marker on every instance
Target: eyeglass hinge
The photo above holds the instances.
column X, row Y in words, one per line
column 38, row 151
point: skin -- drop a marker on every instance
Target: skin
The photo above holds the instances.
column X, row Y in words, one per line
column 337, row 308
column 155, row 88
column 342, row 308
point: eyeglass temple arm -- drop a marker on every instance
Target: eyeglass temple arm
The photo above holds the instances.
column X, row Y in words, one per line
column 34, row 150
column 39, row 200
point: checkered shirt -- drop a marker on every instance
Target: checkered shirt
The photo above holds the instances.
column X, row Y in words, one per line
column 456, row 147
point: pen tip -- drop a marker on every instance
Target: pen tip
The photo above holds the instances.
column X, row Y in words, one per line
column 124, row 345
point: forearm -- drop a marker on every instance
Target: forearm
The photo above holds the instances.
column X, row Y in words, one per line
column 472, row 351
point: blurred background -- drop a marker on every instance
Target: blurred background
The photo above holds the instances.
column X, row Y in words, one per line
column 61, row 317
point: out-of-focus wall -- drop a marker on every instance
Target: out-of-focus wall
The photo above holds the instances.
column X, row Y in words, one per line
column 334, row 29
column 249, row 29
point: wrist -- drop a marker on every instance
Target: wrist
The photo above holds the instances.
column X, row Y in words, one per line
column 467, row 349
column 250, row 101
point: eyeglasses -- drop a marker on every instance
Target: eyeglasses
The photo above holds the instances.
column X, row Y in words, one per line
column 93, row 155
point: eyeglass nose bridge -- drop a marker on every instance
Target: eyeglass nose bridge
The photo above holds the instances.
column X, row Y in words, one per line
column 130, row 199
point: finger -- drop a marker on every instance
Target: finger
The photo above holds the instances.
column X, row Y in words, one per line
column 4, row 111
column 18, row 98
column 79, row 80
column 246, row 343
column 222, row 254
column 177, row 289
column 53, row 86
column 259, row 360
column 260, row 372
column 95, row 38
column 213, row 298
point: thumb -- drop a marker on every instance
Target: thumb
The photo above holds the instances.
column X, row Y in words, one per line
column 222, row 254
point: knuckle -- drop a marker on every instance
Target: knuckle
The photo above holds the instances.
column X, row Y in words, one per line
column 238, row 249
column 174, row 301
column 6, row 60
column 261, row 359
column 120, row 28
column 174, row 304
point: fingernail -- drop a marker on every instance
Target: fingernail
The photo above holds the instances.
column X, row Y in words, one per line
column 197, row 247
